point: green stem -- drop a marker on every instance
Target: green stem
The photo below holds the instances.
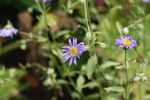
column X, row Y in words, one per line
column 59, row 71
column 73, row 83
column 44, row 13
column 140, row 70
column 74, row 5
column 88, row 25
column 9, row 47
column 100, row 82
column 55, row 92
column 140, row 91
column 126, row 76
column 46, row 22
column 39, row 6
column 87, row 17
column 74, row 86
column 92, row 47
column 43, row 10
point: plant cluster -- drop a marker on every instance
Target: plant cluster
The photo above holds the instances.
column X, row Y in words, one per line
column 81, row 50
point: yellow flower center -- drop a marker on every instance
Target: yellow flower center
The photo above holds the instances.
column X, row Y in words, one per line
column 126, row 43
column 9, row 26
column 73, row 51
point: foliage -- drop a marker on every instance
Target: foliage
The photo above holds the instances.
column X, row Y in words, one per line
column 100, row 71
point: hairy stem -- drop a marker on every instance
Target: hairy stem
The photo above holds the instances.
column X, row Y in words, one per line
column 92, row 47
column 126, row 75
column 100, row 82
column 88, row 25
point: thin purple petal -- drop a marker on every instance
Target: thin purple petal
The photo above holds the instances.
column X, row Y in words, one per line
column 74, row 42
column 66, row 58
column 63, row 55
column 75, row 61
column 70, row 62
column 70, row 42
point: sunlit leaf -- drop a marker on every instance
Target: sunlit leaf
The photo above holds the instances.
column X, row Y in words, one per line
column 80, row 82
column 114, row 89
column 109, row 64
column 91, row 65
column 93, row 96
column 119, row 27
column 90, row 85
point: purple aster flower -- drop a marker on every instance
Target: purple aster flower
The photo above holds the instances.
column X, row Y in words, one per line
column 8, row 31
column 145, row 1
column 73, row 51
column 126, row 43
column 45, row 1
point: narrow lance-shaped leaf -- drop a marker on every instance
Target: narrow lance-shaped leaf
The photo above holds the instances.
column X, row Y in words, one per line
column 109, row 64
column 91, row 66
column 119, row 27
column 80, row 82
column 114, row 89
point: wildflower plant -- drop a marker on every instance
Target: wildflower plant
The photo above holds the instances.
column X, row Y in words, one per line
column 94, row 67
column 126, row 43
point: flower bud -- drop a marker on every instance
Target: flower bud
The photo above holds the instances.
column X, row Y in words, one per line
column 125, row 30
column 82, row 0
column 144, row 79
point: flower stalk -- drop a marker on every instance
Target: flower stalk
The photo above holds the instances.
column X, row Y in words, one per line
column 43, row 10
column 88, row 25
column 127, row 43
column 126, row 75
column 92, row 39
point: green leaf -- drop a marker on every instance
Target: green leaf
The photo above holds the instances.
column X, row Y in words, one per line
column 118, row 7
column 48, row 81
column 88, row 35
column 109, row 64
column 8, row 88
column 61, row 33
column 50, row 71
column 91, row 66
column 80, row 82
column 111, row 98
column 120, row 67
column 103, row 45
column 127, row 64
column 62, row 82
column 93, row 96
column 75, row 95
column 147, row 97
column 2, row 70
column 100, row 33
column 136, row 78
column 91, row 85
column 114, row 89
column 12, row 72
column 119, row 27
column 108, row 2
